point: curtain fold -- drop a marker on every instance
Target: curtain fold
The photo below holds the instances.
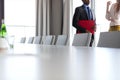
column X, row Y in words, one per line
column 39, row 18
column 1, row 10
column 56, row 17
column 53, row 17
column 66, row 17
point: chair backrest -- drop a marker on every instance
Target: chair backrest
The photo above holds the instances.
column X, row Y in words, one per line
column 47, row 40
column 23, row 39
column 109, row 39
column 30, row 40
column 61, row 40
column 82, row 39
column 37, row 40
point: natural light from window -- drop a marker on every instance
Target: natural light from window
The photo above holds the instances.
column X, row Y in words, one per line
column 20, row 17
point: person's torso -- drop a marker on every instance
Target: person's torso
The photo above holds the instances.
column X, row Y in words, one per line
column 114, row 15
column 83, row 14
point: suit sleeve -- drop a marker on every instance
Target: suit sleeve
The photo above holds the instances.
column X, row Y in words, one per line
column 76, row 19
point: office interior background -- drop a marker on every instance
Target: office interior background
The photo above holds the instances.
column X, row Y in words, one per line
column 21, row 16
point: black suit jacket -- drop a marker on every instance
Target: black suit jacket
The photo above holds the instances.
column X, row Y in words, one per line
column 80, row 14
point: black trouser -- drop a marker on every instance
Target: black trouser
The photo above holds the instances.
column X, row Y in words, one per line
column 92, row 40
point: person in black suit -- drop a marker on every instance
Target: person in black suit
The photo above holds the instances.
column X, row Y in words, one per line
column 82, row 13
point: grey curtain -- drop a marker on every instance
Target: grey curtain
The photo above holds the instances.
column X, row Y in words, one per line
column 67, row 16
column 41, row 17
column 56, row 17
column 53, row 17
column 1, row 10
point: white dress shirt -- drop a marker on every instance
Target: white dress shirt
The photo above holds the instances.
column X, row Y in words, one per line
column 112, row 14
column 89, row 14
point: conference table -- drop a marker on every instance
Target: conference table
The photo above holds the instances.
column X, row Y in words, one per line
column 51, row 62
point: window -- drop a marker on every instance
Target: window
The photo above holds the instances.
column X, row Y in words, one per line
column 100, row 11
column 20, row 17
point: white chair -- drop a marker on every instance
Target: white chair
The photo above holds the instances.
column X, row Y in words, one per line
column 82, row 39
column 61, row 40
column 109, row 39
column 47, row 40
column 30, row 40
column 37, row 40
column 23, row 39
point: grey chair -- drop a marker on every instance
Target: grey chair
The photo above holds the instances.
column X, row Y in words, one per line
column 37, row 40
column 30, row 40
column 82, row 39
column 109, row 39
column 47, row 40
column 23, row 40
column 61, row 40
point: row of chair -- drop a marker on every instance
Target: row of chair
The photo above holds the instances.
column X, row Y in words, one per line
column 78, row 40
column 106, row 39
column 46, row 40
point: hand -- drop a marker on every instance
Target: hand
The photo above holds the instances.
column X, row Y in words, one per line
column 112, row 20
column 109, row 3
column 94, row 28
column 87, row 31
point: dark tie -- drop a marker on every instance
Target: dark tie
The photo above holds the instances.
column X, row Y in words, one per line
column 89, row 16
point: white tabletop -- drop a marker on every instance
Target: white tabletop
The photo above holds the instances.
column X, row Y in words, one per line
column 36, row 62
